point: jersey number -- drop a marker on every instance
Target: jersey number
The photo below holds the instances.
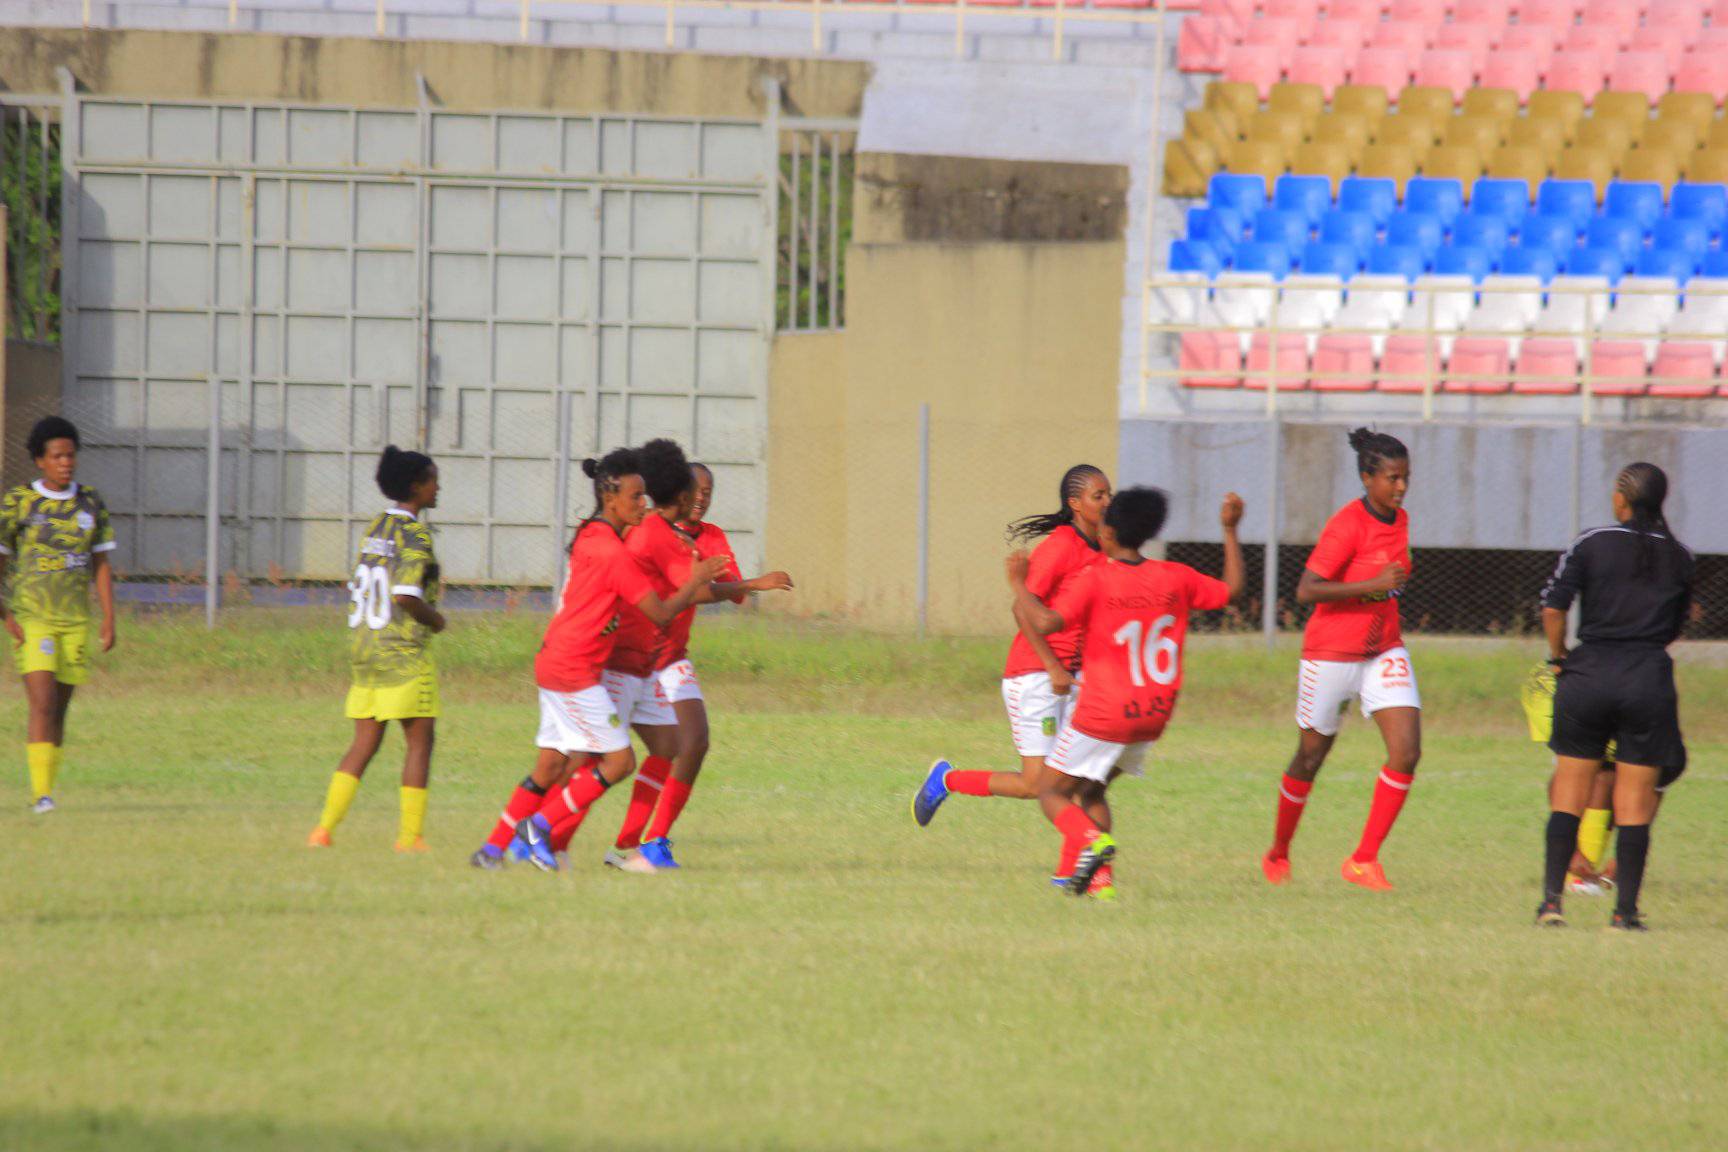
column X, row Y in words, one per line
column 1155, row 652
column 370, row 590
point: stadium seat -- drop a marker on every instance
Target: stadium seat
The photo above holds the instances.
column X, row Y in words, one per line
column 1678, row 138
column 1593, row 40
column 1496, row 14
column 1392, row 163
column 1683, row 370
column 1547, row 366
column 1438, row 196
column 1195, row 256
column 1512, row 70
column 1397, row 260
column 1354, row 230
column 1549, row 13
column 1474, row 40
column 1508, row 304
column 1280, row 35
column 1343, row 362
column 1479, row 365
column 1650, row 167
column 1218, row 226
column 1209, row 360
column 1715, row 265
column 1575, row 305
column 1708, row 166
column 1537, row 262
column 1618, row 368
column 1462, row 166
column 1304, row 12
column 1203, row 44
column 1345, row 131
column 1305, row 101
column 1617, row 16
column 1506, row 200
column 1445, row 300
column 1188, row 163
column 1569, row 71
column 1564, row 108
column 1375, row 304
column 1489, row 233
column 1480, row 134
column 1386, row 68
column 1410, row 363
column 1705, row 73
column 1643, row 306
column 1307, row 196
column 1346, row 35
column 1695, row 108
column 1282, row 227
column 1670, row 263
column 1240, row 100
column 1630, row 107
column 1496, row 103
column 1464, row 260
column 1321, row 66
column 1378, row 197
column 1546, row 138
column 1363, row 12
column 1243, row 301
column 1260, row 65
column 1243, row 194
column 1321, row 258
column 1538, row 40
column 1679, row 234
column 1573, row 199
column 1616, row 234
column 1435, row 104
column 1414, row 134
column 1367, row 101
column 1180, row 298
column 1411, row 228
column 1327, row 163
column 1280, row 361
column 1605, row 262
column 1704, row 202
column 1284, row 130
column 1548, row 232
column 1609, row 137
column 1523, row 166
column 1266, row 256
column 1636, row 201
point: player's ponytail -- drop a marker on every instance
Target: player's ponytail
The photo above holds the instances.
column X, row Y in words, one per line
column 399, row 470
column 1374, row 448
column 1644, row 487
column 1074, row 481
column 607, row 473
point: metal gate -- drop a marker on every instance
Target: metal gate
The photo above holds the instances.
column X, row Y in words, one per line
column 279, row 290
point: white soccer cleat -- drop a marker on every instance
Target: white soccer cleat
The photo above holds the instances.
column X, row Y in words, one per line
column 43, row 806
column 629, row 860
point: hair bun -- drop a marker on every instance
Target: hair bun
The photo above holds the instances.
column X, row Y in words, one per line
column 590, row 467
column 1360, row 438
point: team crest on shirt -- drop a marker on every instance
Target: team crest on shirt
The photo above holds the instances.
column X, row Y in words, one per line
column 1049, row 725
column 47, row 645
column 612, row 719
column 86, row 522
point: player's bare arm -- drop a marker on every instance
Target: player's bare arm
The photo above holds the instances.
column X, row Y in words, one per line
column 1230, row 518
column 1311, row 589
column 736, row 590
column 702, row 574
column 1061, row 680
column 104, row 573
column 1027, row 606
column 422, row 612
column 13, row 628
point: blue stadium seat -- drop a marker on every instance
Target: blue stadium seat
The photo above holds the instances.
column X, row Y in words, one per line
column 1715, row 266
column 1219, row 227
column 1397, row 260
column 1573, row 199
column 1706, row 202
column 1689, row 236
column 1422, row 231
column 1442, row 196
column 1309, row 195
column 1616, row 234
column 1464, row 260
column 1263, row 256
column 1669, row 262
column 1357, row 229
column 1523, row 261
column 1556, row 234
column 1486, row 232
column 1195, row 256
column 1322, row 259
column 1596, row 262
column 1375, row 195
column 1275, row 226
column 1241, row 193
column 1507, row 199
column 1634, row 200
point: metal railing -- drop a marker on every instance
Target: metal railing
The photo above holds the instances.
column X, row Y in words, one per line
column 814, row 229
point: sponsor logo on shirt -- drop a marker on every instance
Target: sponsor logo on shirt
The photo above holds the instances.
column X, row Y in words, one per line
column 86, row 522
column 378, row 546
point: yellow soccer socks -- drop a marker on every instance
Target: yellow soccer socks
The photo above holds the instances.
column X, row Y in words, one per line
column 413, row 820
column 44, row 761
column 336, row 801
column 1593, row 835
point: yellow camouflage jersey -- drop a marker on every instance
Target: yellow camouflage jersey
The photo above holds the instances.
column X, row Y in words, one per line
column 51, row 538
column 386, row 646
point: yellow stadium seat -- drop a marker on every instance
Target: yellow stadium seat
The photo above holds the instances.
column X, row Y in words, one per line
column 1366, row 101
column 1463, row 164
column 1653, row 167
column 1582, row 163
column 1524, row 164
column 1500, row 103
column 1215, row 128
column 1257, row 158
column 1306, row 100
column 1565, row 108
column 1708, row 166
column 1344, row 129
column 1242, row 100
column 1188, row 164
column 1632, row 108
column 1283, row 128
column 1695, row 108
column 1415, row 132
column 1394, row 162
column 1678, row 138
column 1544, row 137
column 1611, row 136
column 1482, row 133
column 1328, row 160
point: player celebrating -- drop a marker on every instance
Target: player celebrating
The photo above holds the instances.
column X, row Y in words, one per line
column 56, row 536
column 393, row 618
column 576, row 714
column 1038, row 681
column 1635, row 580
column 1132, row 614
column 1352, row 647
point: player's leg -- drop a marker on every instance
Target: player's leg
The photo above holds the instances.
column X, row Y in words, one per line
column 1389, row 696
column 1568, row 794
column 1637, row 796
column 691, row 751
column 345, row 781
column 1078, row 761
column 586, row 721
column 551, row 766
column 1323, row 689
column 661, row 743
column 419, row 733
column 1584, row 875
column 42, row 735
column 1035, row 715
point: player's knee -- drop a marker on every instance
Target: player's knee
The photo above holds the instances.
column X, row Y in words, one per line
column 1403, row 760
column 1305, row 765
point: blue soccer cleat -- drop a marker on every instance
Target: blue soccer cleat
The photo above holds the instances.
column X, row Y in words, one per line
column 518, row 851
column 487, row 861
column 537, row 840
column 659, row 853
column 931, row 793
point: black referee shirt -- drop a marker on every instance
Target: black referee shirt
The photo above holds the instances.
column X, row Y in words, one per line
column 1621, row 605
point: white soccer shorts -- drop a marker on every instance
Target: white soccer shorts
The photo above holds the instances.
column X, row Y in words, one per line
column 678, row 682
column 1089, row 758
column 1326, row 687
column 637, row 699
column 585, row 721
column 1036, row 712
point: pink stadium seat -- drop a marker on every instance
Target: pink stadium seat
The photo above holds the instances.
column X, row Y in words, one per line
column 1690, row 369
column 1215, row 357
column 1553, row 13
column 1704, row 72
column 1719, row 12
column 1292, row 366
column 1604, row 43
column 1256, row 64
column 1446, row 68
column 1202, row 45
column 1619, row 367
column 1620, row 16
column 1547, row 366
column 1645, row 72
column 1111, row 3
column 1236, row 11
column 1343, row 362
column 1304, row 12
column 1364, row 12
column 1472, row 38
column 1387, row 68
column 1539, row 40
column 1412, row 38
column 1348, row 36
column 1282, row 35
column 1426, row 12
column 1319, row 64
column 1406, row 362
column 1669, row 40
column 1485, row 356
column 1509, row 68
column 1497, row 14
column 1580, row 72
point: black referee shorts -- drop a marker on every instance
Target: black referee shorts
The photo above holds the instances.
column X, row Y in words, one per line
column 1621, row 694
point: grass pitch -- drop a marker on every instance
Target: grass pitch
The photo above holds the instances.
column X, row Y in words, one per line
column 178, row 972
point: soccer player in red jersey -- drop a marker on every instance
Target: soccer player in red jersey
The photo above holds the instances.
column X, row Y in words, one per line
column 576, row 714
column 1038, row 684
column 1353, row 648
column 682, row 492
column 1133, row 617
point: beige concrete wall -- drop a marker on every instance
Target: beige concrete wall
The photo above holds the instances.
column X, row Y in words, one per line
column 806, row 530
column 381, row 72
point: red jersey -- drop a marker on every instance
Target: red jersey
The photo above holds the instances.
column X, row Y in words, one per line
column 1059, row 557
column 1355, row 546
column 1134, row 620
column 709, row 541
column 604, row 579
column 640, row 640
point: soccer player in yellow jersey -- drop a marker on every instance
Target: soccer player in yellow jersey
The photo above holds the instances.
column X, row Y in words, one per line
column 54, row 538
column 390, row 621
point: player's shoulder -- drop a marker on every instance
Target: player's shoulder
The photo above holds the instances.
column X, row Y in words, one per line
column 90, row 494
column 18, row 494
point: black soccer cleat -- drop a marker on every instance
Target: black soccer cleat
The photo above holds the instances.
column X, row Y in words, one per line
column 486, row 861
column 1092, row 857
column 1630, row 922
column 1548, row 915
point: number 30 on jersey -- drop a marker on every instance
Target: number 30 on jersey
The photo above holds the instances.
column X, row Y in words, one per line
column 370, row 592
column 1152, row 651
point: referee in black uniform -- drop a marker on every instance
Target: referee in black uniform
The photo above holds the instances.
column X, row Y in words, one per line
column 1635, row 579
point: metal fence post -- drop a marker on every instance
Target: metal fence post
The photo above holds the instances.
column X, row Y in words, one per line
column 1274, row 517
column 923, row 518
column 213, row 507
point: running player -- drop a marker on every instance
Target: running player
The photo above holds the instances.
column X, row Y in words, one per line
column 668, row 688
column 1635, row 582
column 1038, row 681
column 577, row 717
column 393, row 618
column 1353, row 647
column 55, row 535
column 1132, row 614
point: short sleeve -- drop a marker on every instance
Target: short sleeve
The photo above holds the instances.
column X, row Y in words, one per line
column 1568, row 579
column 412, row 564
column 624, row 574
column 9, row 509
column 1332, row 555
column 1074, row 602
column 1206, row 593
column 721, row 546
column 672, row 556
column 103, row 539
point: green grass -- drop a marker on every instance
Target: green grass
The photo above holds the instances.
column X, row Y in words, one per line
column 177, row 972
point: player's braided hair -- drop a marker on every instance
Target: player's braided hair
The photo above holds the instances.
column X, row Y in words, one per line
column 1645, row 487
column 50, row 428
column 1137, row 515
column 1074, row 482
column 399, row 470
column 1372, row 448
column 666, row 473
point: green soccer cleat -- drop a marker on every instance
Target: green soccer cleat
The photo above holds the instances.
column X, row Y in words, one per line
column 1092, row 857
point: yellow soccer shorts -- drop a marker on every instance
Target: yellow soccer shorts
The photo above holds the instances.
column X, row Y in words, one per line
column 410, row 701
column 63, row 649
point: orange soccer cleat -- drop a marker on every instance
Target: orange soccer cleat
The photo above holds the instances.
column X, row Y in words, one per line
column 1366, row 874
column 419, row 845
column 319, row 838
column 1277, row 868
